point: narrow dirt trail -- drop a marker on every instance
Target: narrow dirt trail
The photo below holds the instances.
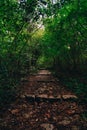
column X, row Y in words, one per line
column 44, row 104
column 44, row 86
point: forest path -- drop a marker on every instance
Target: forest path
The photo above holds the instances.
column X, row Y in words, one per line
column 44, row 86
column 44, row 104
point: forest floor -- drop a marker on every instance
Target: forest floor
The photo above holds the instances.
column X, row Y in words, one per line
column 44, row 104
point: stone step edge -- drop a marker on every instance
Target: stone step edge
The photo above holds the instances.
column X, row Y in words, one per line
column 25, row 80
column 48, row 98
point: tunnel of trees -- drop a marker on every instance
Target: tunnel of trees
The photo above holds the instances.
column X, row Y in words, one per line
column 50, row 34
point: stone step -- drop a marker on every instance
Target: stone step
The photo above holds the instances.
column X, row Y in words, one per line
column 45, row 97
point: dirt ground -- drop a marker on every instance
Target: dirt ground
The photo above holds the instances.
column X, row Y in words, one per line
column 43, row 104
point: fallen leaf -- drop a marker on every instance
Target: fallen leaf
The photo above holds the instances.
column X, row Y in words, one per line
column 14, row 111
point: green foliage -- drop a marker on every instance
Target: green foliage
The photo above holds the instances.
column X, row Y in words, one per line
column 14, row 46
column 65, row 37
column 30, row 6
column 76, row 83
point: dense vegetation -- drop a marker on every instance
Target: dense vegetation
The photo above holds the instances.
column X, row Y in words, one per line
column 65, row 45
column 43, row 33
column 15, row 31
